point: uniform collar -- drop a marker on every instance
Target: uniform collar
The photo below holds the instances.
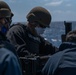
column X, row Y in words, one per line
column 67, row 45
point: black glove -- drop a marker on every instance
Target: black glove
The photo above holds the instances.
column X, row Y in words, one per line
column 22, row 51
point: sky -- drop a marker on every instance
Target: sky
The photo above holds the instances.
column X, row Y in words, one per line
column 61, row 10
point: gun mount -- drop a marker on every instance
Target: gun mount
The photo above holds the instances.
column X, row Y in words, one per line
column 33, row 65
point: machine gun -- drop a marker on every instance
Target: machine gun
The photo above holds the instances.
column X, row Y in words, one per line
column 68, row 27
column 32, row 65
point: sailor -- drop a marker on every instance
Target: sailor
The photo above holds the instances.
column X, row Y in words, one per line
column 64, row 61
column 27, row 39
column 9, row 62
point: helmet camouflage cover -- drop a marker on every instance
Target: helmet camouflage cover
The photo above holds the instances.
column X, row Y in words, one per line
column 40, row 15
column 5, row 10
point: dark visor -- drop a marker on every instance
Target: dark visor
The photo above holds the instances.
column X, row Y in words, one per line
column 5, row 13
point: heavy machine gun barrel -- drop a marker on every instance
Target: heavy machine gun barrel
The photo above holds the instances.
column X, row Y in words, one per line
column 68, row 27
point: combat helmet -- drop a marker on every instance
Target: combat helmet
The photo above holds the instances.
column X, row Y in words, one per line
column 40, row 15
column 5, row 10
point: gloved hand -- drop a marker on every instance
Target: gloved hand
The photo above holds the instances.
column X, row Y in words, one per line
column 22, row 51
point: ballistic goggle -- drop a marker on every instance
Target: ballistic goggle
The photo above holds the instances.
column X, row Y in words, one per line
column 5, row 13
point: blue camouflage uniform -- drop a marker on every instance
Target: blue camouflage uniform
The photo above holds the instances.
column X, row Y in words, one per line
column 63, row 62
column 9, row 62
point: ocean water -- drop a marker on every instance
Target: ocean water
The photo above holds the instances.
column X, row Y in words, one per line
column 53, row 34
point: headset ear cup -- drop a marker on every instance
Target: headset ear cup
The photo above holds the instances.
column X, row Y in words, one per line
column 31, row 18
